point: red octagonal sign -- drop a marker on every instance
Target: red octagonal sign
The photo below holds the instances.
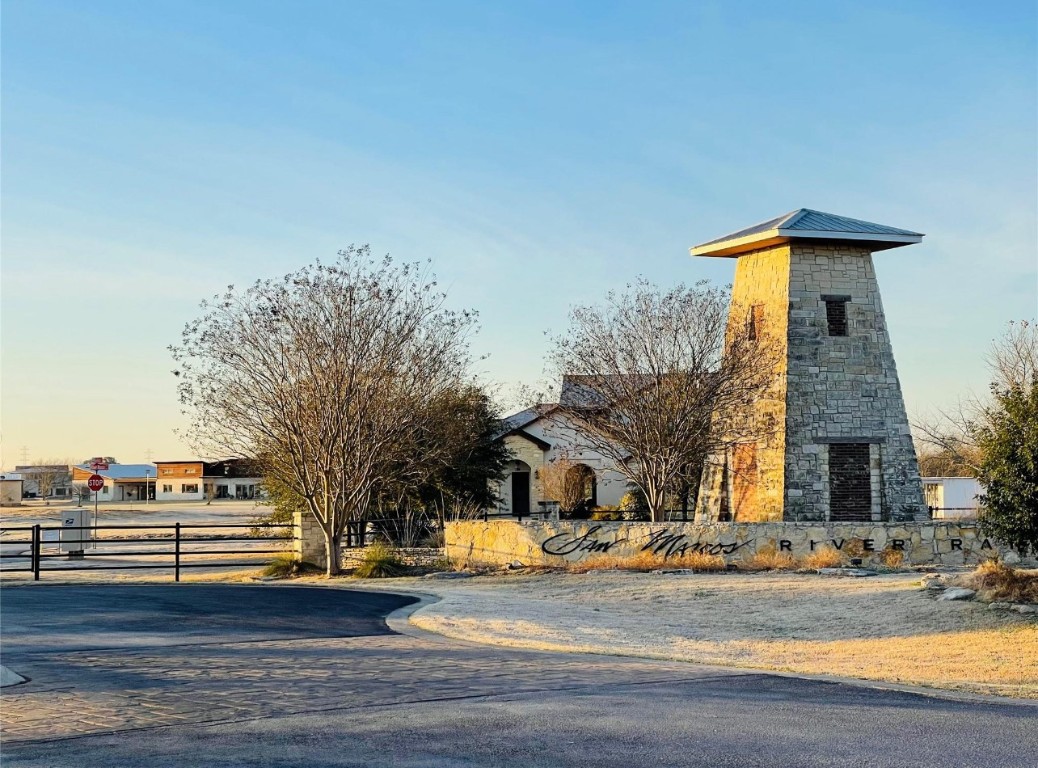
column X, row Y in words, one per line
column 96, row 483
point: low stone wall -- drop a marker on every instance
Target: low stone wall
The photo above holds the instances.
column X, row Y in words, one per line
column 556, row 543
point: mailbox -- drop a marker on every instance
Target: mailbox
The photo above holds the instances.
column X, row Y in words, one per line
column 75, row 531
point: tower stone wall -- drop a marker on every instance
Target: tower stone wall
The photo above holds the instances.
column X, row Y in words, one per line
column 843, row 390
column 829, row 390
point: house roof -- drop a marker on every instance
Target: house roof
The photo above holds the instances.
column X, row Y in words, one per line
column 517, row 421
column 586, row 391
column 807, row 224
column 544, row 445
column 230, row 468
column 123, row 471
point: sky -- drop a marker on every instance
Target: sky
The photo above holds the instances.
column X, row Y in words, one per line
column 538, row 153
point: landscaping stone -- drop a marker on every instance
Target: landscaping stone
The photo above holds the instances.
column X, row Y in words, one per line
column 1024, row 608
column 852, row 572
column 957, row 593
column 448, row 575
column 999, row 606
column 674, row 572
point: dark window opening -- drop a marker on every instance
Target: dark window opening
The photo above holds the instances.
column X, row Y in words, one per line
column 836, row 316
column 755, row 322
column 850, row 486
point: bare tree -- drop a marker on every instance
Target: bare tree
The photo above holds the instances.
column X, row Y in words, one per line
column 325, row 376
column 48, row 475
column 565, row 482
column 951, row 458
column 1014, row 358
column 658, row 381
column 950, row 434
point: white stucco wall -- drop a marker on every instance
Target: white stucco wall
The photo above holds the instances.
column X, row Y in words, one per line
column 566, row 442
column 956, row 495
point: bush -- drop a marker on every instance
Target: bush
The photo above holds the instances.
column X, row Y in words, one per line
column 380, row 561
column 1009, row 470
column 699, row 561
column 606, row 514
column 996, row 582
column 827, row 557
column 287, row 565
column 892, row 558
column 768, row 559
column 647, row 561
column 278, row 516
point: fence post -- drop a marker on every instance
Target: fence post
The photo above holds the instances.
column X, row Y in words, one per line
column 176, row 554
column 35, row 559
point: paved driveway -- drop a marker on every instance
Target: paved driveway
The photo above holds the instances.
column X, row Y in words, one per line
column 189, row 675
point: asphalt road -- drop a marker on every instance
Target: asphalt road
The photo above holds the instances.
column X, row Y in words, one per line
column 190, row 675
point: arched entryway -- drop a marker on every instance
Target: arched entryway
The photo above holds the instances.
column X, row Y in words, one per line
column 519, row 489
column 582, row 490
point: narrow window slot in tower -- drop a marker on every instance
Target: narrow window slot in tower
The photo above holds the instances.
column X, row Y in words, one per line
column 836, row 314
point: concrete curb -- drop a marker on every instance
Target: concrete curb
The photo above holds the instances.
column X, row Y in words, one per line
column 8, row 678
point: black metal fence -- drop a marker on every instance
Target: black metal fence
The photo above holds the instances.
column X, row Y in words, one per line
column 973, row 512
column 395, row 531
column 176, row 549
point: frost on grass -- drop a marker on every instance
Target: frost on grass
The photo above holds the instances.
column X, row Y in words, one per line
column 883, row 628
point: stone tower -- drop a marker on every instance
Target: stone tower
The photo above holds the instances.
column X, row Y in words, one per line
column 840, row 446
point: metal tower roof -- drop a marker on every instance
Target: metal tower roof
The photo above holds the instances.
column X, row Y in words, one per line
column 806, row 224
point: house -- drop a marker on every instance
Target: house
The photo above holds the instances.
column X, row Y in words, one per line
column 123, row 482
column 207, row 480
column 10, row 489
column 46, row 481
column 952, row 498
column 545, row 433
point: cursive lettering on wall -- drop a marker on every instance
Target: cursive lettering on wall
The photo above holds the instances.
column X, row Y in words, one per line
column 567, row 543
column 678, row 544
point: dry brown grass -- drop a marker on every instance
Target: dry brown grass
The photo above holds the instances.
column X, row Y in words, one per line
column 892, row 558
column 699, row 561
column 647, row 561
column 996, row 582
column 769, row 559
column 827, row 557
column 643, row 561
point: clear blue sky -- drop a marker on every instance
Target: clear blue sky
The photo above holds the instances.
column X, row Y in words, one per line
column 540, row 153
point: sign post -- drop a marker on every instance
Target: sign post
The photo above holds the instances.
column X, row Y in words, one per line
column 95, row 483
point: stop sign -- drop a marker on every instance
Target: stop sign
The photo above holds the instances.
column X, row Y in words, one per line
column 96, row 483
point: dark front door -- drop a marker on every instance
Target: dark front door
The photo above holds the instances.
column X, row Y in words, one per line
column 850, row 490
column 520, row 494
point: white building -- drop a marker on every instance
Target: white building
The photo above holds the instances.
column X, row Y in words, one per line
column 206, row 480
column 539, row 436
column 123, row 482
column 11, row 489
column 952, row 497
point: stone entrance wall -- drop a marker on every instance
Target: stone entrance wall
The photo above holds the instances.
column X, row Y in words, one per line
column 557, row 543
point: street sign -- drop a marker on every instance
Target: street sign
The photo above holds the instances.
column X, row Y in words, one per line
column 95, row 482
column 98, row 464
